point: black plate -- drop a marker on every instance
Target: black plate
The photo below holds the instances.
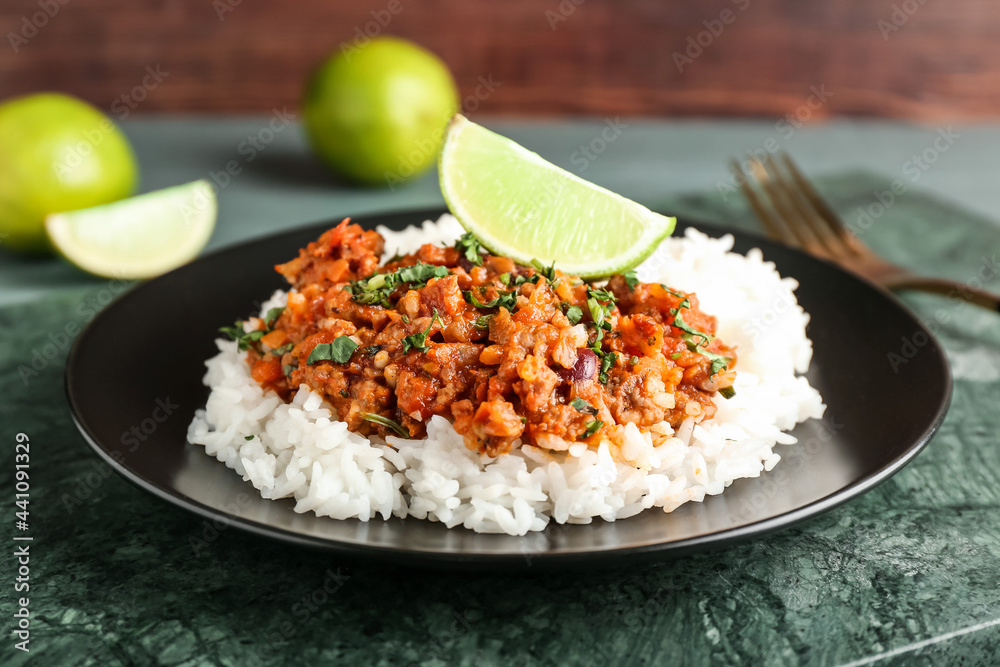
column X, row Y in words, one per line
column 134, row 381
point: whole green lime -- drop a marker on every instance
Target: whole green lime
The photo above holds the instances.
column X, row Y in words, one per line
column 376, row 113
column 57, row 153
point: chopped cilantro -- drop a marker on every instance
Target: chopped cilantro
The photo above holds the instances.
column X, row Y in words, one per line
column 727, row 392
column 339, row 351
column 288, row 368
column 574, row 314
column 272, row 316
column 390, row 424
column 521, row 279
column 548, row 271
column 418, row 341
column 372, row 350
column 375, row 289
column 689, row 331
column 592, row 428
column 344, row 393
column 607, row 361
column 631, row 280
column 280, row 351
column 471, row 248
column 244, row 339
column 506, row 300
column 405, row 318
column 685, row 303
column 504, row 278
column 248, row 438
column 418, row 274
column 583, row 406
column 483, row 321
column 719, row 362
column 675, row 355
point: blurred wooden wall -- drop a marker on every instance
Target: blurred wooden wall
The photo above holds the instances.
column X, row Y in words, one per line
column 914, row 59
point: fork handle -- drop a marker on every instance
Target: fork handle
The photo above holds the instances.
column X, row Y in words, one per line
column 950, row 288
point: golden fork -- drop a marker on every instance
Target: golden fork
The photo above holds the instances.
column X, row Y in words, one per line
column 793, row 212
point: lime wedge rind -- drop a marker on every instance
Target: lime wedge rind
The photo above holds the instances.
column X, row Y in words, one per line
column 526, row 208
column 139, row 237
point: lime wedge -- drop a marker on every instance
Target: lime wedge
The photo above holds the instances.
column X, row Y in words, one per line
column 523, row 207
column 138, row 237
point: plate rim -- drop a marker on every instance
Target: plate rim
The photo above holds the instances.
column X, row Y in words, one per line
column 538, row 560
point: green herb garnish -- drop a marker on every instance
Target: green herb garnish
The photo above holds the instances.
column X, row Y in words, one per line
column 390, row 424
column 631, row 279
column 719, row 362
column 607, row 361
column 483, row 321
column 339, row 351
column 287, row 369
column 375, row 289
column 284, row 349
column 418, row 341
column 727, row 392
column 548, row 271
column 505, row 279
column 592, row 428
column 248, row 438
column 272, row 316
column 344, row 393
column 244, row 339
column 506, row 300
column 685, row 303
column 471, row 248
column 580, row 405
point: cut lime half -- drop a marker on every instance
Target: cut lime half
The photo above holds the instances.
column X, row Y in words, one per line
column 138, row 237
column 526, row 208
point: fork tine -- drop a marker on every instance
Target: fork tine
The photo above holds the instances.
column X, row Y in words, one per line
column 840, row 234
column 783, row 200
column 824, row 240
column 772, row 225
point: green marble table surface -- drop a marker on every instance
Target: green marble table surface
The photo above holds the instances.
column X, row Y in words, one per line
column 908, row 574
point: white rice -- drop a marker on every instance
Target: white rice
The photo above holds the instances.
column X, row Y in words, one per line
column 299, row 450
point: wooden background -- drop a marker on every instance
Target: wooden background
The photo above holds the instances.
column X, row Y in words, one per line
column 927, row 60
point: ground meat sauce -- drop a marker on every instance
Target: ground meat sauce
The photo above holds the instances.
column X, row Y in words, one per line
column 506, row 351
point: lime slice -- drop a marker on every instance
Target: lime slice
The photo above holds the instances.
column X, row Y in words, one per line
column 523, row 207
column 138, row 237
